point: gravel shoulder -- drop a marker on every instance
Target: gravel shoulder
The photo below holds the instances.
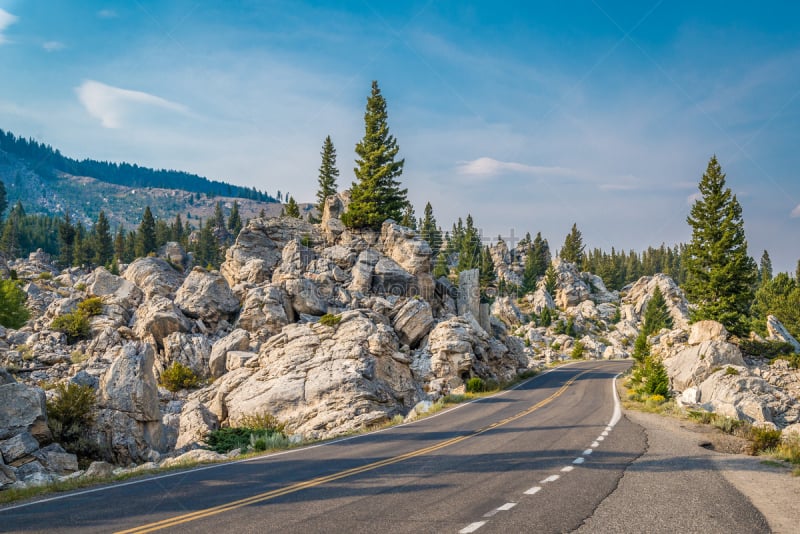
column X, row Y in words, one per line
column 772, row 489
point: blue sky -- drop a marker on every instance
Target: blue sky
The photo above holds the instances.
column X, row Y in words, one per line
column 530, row 115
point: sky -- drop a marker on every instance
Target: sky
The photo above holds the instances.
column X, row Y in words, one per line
column 530, row 116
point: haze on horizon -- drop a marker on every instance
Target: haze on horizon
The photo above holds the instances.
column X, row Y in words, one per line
column 529, row 117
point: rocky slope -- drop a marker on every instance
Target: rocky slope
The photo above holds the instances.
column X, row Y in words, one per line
column 328, row 330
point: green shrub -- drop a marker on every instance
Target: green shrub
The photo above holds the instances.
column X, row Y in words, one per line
column 793, row 359
column 77, row 356
column 763, row 439
column 260, row 432
column 577, row 351
column 330, row 320
column 475, row 385
column 726, row 424
column 226, row 439
column 765, row 349
column 13, row 313
column 731, row 371
column 70, row 412
column 91, row 306
column 262, row 421
column 702, row 416
column 74, row 324
column 80, row 286
column 45, row 275
column 306, row 241
column 617, row 317
column 178, row 376
column 546, row 319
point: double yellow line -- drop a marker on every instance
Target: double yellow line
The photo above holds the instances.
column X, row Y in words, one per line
column 299, row 486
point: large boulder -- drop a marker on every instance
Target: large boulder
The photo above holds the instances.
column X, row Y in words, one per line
column 306, row 297
column 129, row 384
column 18, row 447
column 322, row 380
column 778, row 332
column 411, row 252
column 540, row 300
column 638, row 294
column 504, row 309
column 692, row 365
column 206, row 295
column 196, row 421
column 266, row 309
column 154, row 276
column 157, row 318
column 502, row 260
column 191, row 350
column 389, row 278
column 571, row 289
column 237, row 340
column 114, row 288
column 22, row 409
column 362, row 271
column 732, row 392
column 331, row 225
column 707, row 331
column 413, row 321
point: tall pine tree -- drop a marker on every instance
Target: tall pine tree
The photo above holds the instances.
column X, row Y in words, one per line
column 376, row 195
column 146, row 234
column 327, row 174
column 292, row 209
column 572, row 251
column 103, row 243
column 720, row 274
column 234, row 219
column 3, row 199
column 766, row 268
column 429, row 231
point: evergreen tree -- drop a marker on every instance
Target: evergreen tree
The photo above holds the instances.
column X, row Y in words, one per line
column 103, row 245
column 119, row 244
column 10, row 240
column 177, row 232
column 537, row 259
column 82, row 250
column 487, row 273
column 720, row 274
column 292, row 209
column 469, row 253
column 262, row 214
column 327, row 174
column 441, row 268
column 766, row 268
column 235, row 220
column 218, row 221
column 409, row 220
column 376, row 195
column 130, row 246
column 656, row 314
column 779, row 297
column 572, row 251
column 550, row 279
column 66, row 240
column 146, row 234
column 207, row 247
column 3, row 199
column 429, row 231
column 13, row 313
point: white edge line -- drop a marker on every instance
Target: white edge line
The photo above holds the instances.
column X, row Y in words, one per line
column 567, row 469
column 507, row 506
column 472, row 527
column 272, row 455
column 617, row 411
column 534, row 490
column 551, row 478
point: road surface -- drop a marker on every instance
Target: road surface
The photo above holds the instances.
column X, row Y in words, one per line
column 539, row 458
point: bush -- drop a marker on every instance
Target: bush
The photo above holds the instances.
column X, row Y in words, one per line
column 225, row 440
column 262, row 421
column 74, row 324
column 731, row 371
column 475, row 385
column 259, row 432
column 726, row 424
column 80, row 286
column 13, row 313
column 763, row 439
column 91, row 306
column 45, row 275
column 330, row 320
column 178, row 376
column 577, row 351
column 69, row 414
column 546, row 319
column 765, row 349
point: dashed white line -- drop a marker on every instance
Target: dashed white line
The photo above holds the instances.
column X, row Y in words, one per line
column 507, row 506
column 588, row 452
column 595, row 444
column 472, row 527
column 600, row 438
column 567, row 469
column 579, row 460
column 490, row 513
column 551, row 478
column 534, row 490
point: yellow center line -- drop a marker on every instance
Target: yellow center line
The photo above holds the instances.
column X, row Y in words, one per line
column 298, row 486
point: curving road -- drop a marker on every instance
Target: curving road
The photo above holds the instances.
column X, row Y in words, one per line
column 539, row 458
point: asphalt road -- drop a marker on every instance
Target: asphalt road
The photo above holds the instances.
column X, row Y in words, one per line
column 540, row 458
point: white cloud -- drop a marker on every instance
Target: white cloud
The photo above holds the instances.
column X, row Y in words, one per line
column 111, row 104
column 795, row 212
column 53, row 46
column 6, row 20
column 491, row 167
column 107, row 14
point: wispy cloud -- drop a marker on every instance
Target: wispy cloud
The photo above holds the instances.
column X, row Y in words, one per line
column 111, row 104
column 53, row 46
column 6, row 20
column 795, row 212
column 107, row 14
column 488, row 167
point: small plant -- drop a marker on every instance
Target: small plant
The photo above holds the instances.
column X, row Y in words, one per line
column 763, row 439
column 731, row 371
column 13, row 313
column 330, row 320
column 475, row 384
column 74, row 324
column 616, row 317
column 91, row 307
column 26, row 352
column 306, row 241
column 528, row 373
column 80, row 286
column 556, row 346
column 178, row 376
column 77, row 356
column 702, row 416
column 262, row 421
column 45, row 275
column 577, row 351
column 69, row 413
column 726, row 424
column 226, row 439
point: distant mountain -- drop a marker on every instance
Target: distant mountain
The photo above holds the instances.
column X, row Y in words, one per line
column 47, row 182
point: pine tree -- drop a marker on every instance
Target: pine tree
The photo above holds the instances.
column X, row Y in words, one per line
column 797, row 271
column 469, row 253
column 766, row 268
column 487, row 272
column 66, row 240
column 327, row 174
column 103, row 245
column 537, row 260
column 10, row 240
column 119, row 244
column 218, row 221
column 441, row 268
column 572, row 251
column 3, row 199
column 656, row 314
column 146, row 234
column 292, row 209
column 409, row 220
column 235, row 220
column 550, row 279
column 429, row 231
column 720, row 274
column 177, row 230
column 82, row 252
column 376, row 195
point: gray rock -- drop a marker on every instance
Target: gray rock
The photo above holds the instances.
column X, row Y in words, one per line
column 191, row 350
column 413, row 321
column 157, row 318
column 196, row 421
column 18, row 447
column 707, row 331
column 129, row 385
column 778, row 332
column 82, row 378
column 22, row 409
column 174, row 253
column 469, row 293
column 99, row 470
column 57, row 460
column 154, row 276
column 237, row 340
column 692, row 365
column 306, row 297
column 265, row 311
column 207, row 296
